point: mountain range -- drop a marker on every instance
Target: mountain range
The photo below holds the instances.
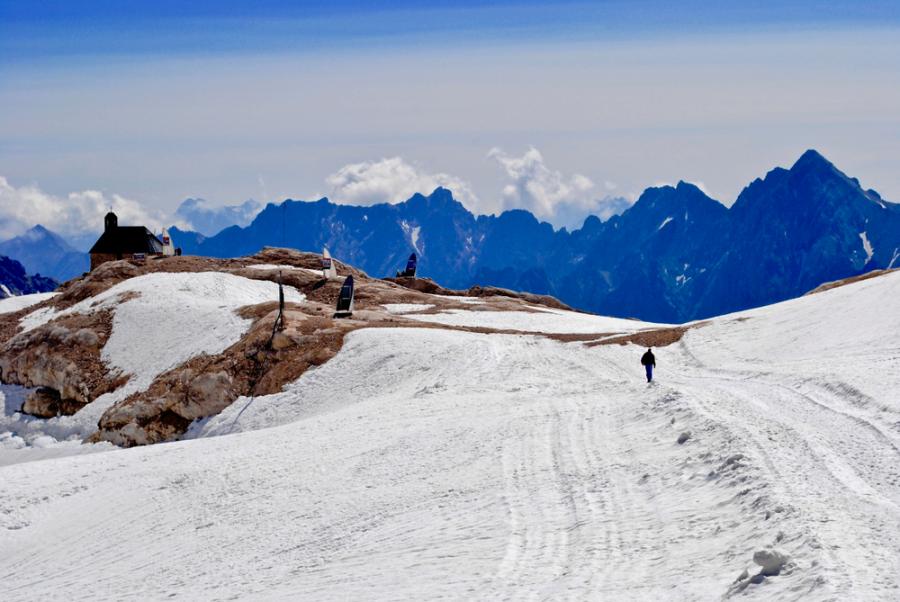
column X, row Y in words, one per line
column 675, row 255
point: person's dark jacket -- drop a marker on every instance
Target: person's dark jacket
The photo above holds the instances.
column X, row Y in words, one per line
column 648, row 359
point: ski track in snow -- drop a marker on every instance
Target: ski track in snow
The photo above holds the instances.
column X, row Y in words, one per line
column 430, row 464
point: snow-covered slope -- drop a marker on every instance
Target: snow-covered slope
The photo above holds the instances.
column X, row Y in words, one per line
column 423, row 463
column 16, row 303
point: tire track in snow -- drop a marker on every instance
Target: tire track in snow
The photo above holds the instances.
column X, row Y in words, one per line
column 800, row 452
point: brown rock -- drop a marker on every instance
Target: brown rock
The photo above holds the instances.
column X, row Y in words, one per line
column 43, row 403
column 281, row 341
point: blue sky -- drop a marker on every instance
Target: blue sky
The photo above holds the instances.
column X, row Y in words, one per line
column 548, row 106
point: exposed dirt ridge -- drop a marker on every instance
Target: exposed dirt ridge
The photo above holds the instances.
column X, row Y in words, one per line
column 63, row 356
column 827, row 286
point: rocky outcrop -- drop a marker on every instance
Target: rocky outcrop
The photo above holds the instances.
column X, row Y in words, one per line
column 260, row 364
column 62, row 359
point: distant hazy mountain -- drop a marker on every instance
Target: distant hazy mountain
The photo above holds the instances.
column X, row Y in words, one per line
column 675, row 255
column 208, row 219
column 15, row 281
column 44, row 252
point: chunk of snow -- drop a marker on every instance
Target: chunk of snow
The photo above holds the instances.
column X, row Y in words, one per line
column 771, row 561
column 663, row 224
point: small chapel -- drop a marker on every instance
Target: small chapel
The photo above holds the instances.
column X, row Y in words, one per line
column 123, row 242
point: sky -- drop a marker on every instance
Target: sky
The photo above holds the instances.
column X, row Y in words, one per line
column 561, row 108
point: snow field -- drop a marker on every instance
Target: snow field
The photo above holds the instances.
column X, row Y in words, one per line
column 481, row 475
column 424, row 464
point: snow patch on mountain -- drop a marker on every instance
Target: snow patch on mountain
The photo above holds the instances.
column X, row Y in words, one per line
column 867, row 246
column 412, row 235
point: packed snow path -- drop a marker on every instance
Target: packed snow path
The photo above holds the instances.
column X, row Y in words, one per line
column 428, row 464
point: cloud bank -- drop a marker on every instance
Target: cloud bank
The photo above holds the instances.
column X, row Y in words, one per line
column 392, row 180
column 72, row 215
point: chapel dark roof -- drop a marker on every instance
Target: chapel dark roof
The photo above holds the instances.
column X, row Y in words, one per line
column 126, row 240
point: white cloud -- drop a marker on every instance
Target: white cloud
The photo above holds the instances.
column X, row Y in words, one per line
column 392, row 180
column 550, row 195
column 75, row 214
column 539, row 189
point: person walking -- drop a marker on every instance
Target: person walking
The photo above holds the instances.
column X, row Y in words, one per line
column 648, row 360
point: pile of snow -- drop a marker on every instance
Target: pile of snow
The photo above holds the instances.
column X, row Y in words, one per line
column 9, row 305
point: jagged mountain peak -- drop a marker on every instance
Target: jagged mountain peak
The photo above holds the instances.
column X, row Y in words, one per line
column 812, row 159
column 39, row 233
column 439, row 198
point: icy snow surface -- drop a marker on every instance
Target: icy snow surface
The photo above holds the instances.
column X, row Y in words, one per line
column 427, row 464
column 11, row 304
